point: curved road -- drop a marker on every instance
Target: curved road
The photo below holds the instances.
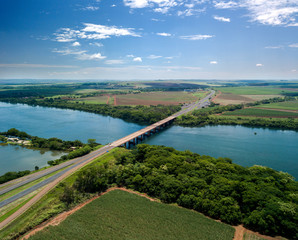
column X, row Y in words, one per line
column 77, row 164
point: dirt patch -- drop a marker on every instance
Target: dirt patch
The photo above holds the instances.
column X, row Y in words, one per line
column 108, row 99
column 228, row 98
column 62, row 216
column 219, row 93
column 115, row 100
column 239, row 232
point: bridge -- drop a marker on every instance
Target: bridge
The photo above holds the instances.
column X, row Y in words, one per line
column 139, row 136
column 75, row 164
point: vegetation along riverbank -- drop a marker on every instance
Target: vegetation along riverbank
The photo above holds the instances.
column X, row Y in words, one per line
column 73, row 148
column 243, row 114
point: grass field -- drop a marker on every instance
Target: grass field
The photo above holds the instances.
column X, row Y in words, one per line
column 94, row 100
column 252, row 90
column 155, row 98
column 246, row 94
column 229, row 98
column 146, row 98
column 261, row 113
column 291, row 105
column 123, row 215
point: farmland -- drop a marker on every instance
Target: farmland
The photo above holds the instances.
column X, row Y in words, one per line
column 247, row 90
column 122, row 215
column 247, row 94
column 146, row 98
column 101, row 99
column 291, row 105
column 261, row 113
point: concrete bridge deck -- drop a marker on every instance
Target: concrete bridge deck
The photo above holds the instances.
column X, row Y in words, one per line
column 143, row 132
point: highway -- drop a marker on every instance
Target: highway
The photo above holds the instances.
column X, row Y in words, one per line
column 78, row 163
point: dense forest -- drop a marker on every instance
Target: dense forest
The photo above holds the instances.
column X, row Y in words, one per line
column 138, row 114
column 259, row 197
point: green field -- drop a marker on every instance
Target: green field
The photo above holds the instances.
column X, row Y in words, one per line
column 102, row 99
column 122, row 215
column 155, row 98
column 260, row 113
column 253, row 90
column 291, row 105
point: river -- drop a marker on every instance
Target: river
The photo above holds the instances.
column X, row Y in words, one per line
column 245, row 146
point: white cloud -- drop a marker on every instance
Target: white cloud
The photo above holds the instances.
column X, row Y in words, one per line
column 274, row 47
column 293, row 70
column 76, row 44
column 93, row 31
column 225, row 4
column 213, row 62
column 267, row 12
column 259, row 65
column 113, row 5
column 66, row 35
column 169, row 57
column 102, row 32
column 222, row 19
column 294, row 45
column 136, row 3
column 116, row 61
column 154, row 56
column 161, row 6
column 157, row 20
column 81, row 55
column 90, row 8
column 96, row 44
column 165, row 6
column 293, row 24
column 196, row 37
column 69, row 52
column 95, row 56
column 130, row 56
column 164, row 34
column 137, row 59
column 190, row 11
column 189, row 5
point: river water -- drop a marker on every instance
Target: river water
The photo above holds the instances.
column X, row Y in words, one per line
column 245, row 146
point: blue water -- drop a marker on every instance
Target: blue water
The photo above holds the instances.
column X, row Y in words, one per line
column 63, row 123
column 17, row 158
column 273, row 148
column 277, row 149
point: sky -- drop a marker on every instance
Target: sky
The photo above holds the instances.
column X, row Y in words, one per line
column 149, row 39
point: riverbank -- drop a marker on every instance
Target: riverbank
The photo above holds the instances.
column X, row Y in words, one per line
column 73, row 148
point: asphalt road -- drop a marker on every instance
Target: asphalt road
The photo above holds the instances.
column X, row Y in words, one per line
column 76, row 164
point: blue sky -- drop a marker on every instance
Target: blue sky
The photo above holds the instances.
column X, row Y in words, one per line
column 149, row 39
